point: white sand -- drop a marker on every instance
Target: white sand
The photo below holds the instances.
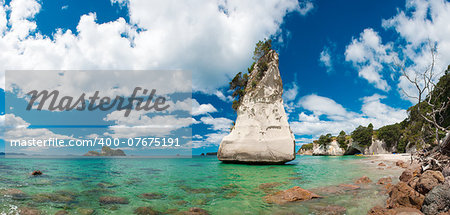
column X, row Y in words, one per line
column 406, row 157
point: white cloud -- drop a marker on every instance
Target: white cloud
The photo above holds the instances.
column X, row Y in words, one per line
column 138, row 124
column 369, row 55
column 220, row 124
column 200, row 109
column 338, row 118
column 17, row 129
column 213, row 39
column 325, row 59
column 320, row 105
column 290, row 93
column 307, row 118
column 421, row 23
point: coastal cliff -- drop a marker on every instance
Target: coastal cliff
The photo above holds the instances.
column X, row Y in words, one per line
column 261, row 133
column 331, row 149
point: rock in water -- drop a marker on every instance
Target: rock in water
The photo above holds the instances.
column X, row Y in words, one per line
column 261, row 133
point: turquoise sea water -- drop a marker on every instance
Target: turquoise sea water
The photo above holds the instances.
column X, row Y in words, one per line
column 179, row 184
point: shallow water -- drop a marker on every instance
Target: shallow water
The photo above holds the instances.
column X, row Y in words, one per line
column 183, row 183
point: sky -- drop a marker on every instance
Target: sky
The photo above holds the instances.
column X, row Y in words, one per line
column 338, row 59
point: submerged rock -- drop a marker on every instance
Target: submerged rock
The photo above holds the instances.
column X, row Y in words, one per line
column 29, row 211
column 261, row 133
column 104, row 200
column 401, row 164
column 145, row 211
column 62, row 212
column 290, row 195
column 363, row 180
column 377, row 210
column 152, row 195
column 36, row 173
column 385, row 180
column 330, row 210
column 195, row 211
column 330, row 149
column 85, row 211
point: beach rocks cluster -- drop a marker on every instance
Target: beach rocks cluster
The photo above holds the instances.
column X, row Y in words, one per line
column 261, row 133
column 419, row 191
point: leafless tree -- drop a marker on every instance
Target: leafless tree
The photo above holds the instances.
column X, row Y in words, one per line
column 428, row 92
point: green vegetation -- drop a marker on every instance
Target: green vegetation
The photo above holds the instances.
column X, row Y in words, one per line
column 239, row 83
column 308, row 146
column 390, row 134
column 363, row 135
column 324, row 139
column 342, row 140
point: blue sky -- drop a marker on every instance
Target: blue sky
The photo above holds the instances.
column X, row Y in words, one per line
column 336, row 57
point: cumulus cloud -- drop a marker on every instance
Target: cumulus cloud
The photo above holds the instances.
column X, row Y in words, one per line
column 218, row 124
column 423, row 22
column 325, row 59
column 338, row 118
column 200, row 109
column 15, row 128
column 138, row 124
column 369, row 55
column 213, row 39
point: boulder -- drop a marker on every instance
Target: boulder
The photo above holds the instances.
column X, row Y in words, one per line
column 36, row 173
column 385, row 180
column 402, row 195
column 363, row 180
column 406, row 176
column 261, row 133
column 381, row 164
column 437, row 200
column 446, row 171
column 330, row 149
column 104, row 200
column 428, row 180
column 401, row 164
column 290, row 195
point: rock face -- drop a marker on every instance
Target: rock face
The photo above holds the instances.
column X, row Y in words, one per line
column 331, row 149
column 261, row 133
column 377, row 147
column 106, row 151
